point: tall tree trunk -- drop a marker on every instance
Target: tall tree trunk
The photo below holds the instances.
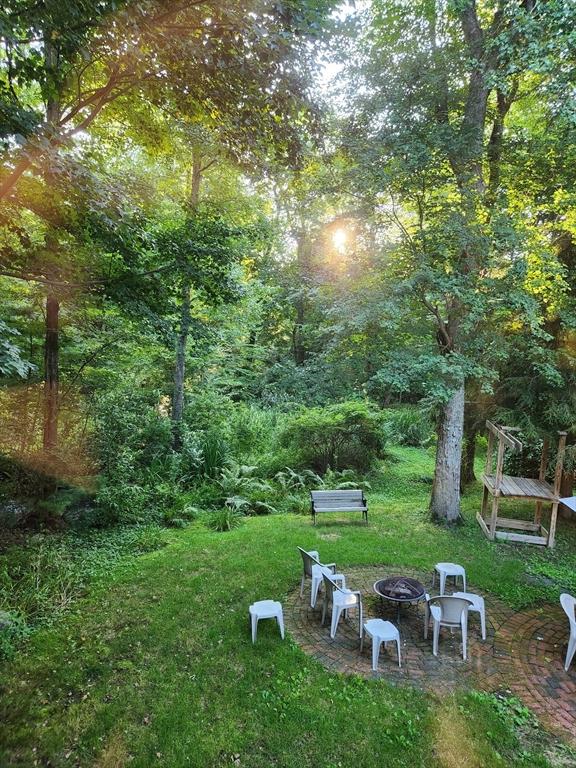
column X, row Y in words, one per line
column 51, row 354
column 445, row 500
column 467, row 475
column 303, row 258
column 185, row 319
column 180, row 368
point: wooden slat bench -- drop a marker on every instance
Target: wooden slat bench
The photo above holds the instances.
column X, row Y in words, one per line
column 339, row 501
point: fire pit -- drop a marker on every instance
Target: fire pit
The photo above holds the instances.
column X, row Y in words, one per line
column 400, row 589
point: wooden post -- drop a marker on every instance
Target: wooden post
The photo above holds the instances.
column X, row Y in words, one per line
column 484, row 501
column 559, row 462
column 542, row 476
column 557, row 482
column 552, row 532
column 497, row 482
column 489, row 450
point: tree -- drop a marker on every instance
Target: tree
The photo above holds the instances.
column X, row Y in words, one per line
column 236, row 59
column 439, row 83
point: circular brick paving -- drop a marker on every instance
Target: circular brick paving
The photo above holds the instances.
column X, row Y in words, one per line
column 523, row 651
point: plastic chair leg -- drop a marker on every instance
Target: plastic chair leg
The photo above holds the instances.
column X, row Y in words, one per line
column 398, row 647
column 464, row 581
column 314, row 591
column 483, row 623
column 280, row 619
column 336, row 612
column 254, row 627
column 426, row 620
column 442, row 582
column 435, row 636
column 570, row 652
column 464, row 636
column 302, row 580
column 375, row 653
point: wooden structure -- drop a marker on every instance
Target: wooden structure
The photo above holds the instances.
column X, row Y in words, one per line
column 338, row 501
column 500, row 486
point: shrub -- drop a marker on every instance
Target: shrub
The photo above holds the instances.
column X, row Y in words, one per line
column 252, row 429
column 409, row 426
column 214, row 452
column 119, row 502
column 141, row 475
column 225, row 519
column 344, row 435
column 205, row 495
column 526, row 463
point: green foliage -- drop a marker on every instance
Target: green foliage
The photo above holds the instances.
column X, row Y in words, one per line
column 13, row 631
column 340, row 436
column 408, row 425
column 289, row 479
column 225, row 519
column 238, row 478
column 526, row 463
column 11, row 361
column 214, row 453
column 251, row 428
column 141, row 475
column 42, row 576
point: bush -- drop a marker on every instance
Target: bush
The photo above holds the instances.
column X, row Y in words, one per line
column 252, row 429
column 344, row 435
column 214, row 452
column 141, row 475
column 409, row 426
column 526, row 463
column 225, row 519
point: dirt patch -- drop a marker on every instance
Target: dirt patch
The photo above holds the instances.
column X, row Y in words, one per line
column 114, row 754
column 453, row 743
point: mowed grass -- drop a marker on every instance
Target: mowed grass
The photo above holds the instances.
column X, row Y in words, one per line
column 156, row 667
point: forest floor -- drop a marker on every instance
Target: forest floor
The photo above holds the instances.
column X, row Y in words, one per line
column 155, row 666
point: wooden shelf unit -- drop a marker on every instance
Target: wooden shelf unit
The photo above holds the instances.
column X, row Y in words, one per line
column 500, row 486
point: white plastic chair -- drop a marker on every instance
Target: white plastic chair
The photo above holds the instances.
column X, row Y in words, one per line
column 568, row 603
column 448, row 569
column 447, row 611
column 381, row 632
column 477, row 606
column 266, row 609
column 315, row 570
column 342, row 600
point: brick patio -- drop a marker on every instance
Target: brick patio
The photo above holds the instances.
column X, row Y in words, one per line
column 523, row 652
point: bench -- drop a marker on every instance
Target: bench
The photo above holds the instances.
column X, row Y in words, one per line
column 338, row 501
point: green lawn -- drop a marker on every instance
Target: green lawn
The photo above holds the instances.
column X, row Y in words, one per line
column 155, row 666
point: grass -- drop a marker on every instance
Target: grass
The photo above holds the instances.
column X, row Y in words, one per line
column 155, row 665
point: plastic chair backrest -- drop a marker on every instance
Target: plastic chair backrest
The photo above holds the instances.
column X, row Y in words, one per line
column 308, row 560
column 451, row 608
column 330, row 587
column 568, row 603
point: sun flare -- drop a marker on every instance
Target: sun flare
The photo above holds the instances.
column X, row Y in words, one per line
column 339, row 239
